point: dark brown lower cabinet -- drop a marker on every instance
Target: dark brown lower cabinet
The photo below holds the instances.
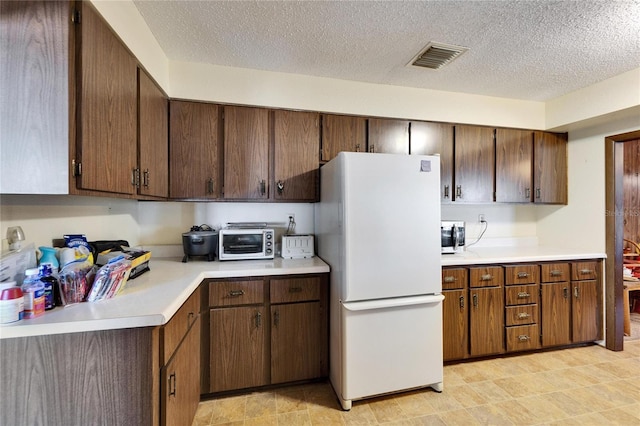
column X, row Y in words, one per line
column 455, row 319
column 486, row 321
column 586, row 321
column 556, row 314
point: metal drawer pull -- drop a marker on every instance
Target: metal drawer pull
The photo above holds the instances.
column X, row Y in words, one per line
column 295, row 289
column 566, row 292
column 258, row 319
column 523, row 315
column 486, row 277
column 475, row 300
column 523, row 295
column 556, row 273
column 523, row 338
column 450, row 279
column 523, row 274
column 461, row 302
column 236, row 293
column 576, row 292
column 586, row 271
column 172, row 380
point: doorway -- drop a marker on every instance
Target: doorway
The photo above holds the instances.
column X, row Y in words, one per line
column 615, row 216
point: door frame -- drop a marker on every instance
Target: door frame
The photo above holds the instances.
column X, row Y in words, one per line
column 614, row 234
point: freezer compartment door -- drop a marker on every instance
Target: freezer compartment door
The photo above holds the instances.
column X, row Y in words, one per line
column 391, row 345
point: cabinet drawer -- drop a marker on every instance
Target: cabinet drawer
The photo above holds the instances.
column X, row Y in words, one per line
column 454, row 278
column 229, row 293
column 523, row 338
column 521, row 294
column 178, row 325
column 522, row 274
column 295, row 290
column 581, row 271
column 554, row 272
column 491, row 276
column 520, row 315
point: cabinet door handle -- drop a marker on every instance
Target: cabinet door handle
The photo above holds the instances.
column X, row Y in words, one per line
column 523, row 274
column 523, row 315
column 172, row 384
column 475, row 300
column 459, row 191
column 295, row 289
column 258, row 319
column 556, row 273
column 190, row 316
column 210, row 186
column 461, row 302
column 523, row 295
column 263, row 187
column 576, row 292
column 372, row 148
column 450, row 279
column 236, row 293
column 135, row 177
column 565, row 291
column 523, row 338
column 527, row 193
column 280, row 186
column 486, row 277
column 276, row 318
column 446, row 191
column 357, row 147
column 586, row 271
column 538, row 193
column 145, row 178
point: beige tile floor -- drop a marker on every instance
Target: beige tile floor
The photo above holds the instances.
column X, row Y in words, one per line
column 579, row 386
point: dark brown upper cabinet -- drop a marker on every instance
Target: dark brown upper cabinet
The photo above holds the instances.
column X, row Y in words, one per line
column 514, row 166
column 342, row 133
column 474, row 169
column 550, row 168
column 388, row 136
column 429, row 138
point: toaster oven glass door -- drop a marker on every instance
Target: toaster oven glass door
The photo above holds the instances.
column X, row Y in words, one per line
column 242, row 243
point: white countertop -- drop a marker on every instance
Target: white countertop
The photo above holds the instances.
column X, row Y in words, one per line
column 483, row 256
column 154, row 297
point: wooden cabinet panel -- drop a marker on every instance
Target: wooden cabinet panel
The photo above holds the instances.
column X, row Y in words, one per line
column 474, row 168
column 455, row 320
column 180, row 381
column 194, row 148
column 107, row 103
column 289, row 290
column 581, row 271
column 554, row 272
column 296, row 148
column 388, row 136
column 175, row 329
column 556, row 314
column 246, row 153
column 295, row 352
column 521, row 315
column 453, row 278
column 631, row 189
column 229, row 293
column 486, row 321
column 153, row 138
column 486, row 276
column 342, row 133
column 523, row 338
column 522, row 274
column 514, row 165
column 585, row 311
column 238, row 351
column 521, row 294
column 550, row 168
column 435, row 138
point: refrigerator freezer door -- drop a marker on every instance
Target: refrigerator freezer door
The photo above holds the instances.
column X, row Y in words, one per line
column 391, row 225
column 390, row 347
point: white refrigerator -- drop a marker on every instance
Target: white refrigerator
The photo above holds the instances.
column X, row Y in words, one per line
column 378, row 227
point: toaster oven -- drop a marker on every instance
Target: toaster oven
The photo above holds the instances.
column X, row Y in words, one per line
column 245, row 243
column 452, row 236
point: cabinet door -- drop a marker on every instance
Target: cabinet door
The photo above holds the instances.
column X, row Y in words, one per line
column 194, row 150
column 296, row 352
column 455, row 325
column 342, row 133
column 296, row 148
column 486, row 321
column 474, row 158
column 514, row 164
column 180, row 388
column 550, row 168
column 556, row 314
column 390, row 136
column 435, row 138
column 246, row 153
column 153, row 138
column 585, row 312
column 237, row 348
column 107, row 103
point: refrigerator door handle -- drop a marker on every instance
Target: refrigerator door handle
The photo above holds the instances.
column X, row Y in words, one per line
column 392, row 303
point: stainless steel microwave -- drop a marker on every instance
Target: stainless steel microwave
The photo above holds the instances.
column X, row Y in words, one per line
column 243, row 244
column 452, row 236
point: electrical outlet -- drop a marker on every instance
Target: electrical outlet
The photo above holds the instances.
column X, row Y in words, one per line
column 291, row 217
column 481, row 218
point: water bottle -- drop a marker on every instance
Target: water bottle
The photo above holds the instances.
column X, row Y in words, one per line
column 50, row 286
column 33, row 291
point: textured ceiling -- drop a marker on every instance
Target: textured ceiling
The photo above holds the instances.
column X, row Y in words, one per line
column 530, row 50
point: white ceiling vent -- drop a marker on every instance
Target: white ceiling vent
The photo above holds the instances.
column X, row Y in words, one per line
column 437, row 55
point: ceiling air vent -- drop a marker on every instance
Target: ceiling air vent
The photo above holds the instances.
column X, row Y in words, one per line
column 436, row 55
